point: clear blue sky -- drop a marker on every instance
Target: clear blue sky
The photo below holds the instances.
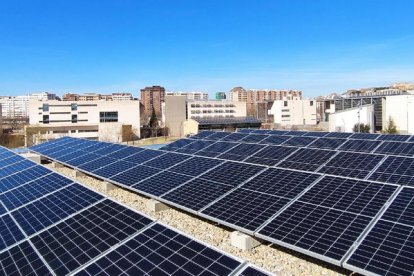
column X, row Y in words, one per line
column 211, row 45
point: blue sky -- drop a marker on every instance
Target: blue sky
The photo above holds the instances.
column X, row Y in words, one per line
column 123, row 45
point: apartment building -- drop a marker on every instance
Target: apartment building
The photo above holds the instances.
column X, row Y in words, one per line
column 197, row 96
column 261, row 95
column 152, row 97
column 215, row 109
column 18, row 106
column 103, row 120
column 98, row 97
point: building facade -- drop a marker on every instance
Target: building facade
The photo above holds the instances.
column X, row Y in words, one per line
column 191, row 96
column 215, row 109
column 294, row 112
column 345, row 120
column 152, row 98
column 103, row 120
column 18, row 106
column 98, row 97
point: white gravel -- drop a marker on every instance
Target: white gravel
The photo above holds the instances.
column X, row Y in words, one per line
column 270, row 257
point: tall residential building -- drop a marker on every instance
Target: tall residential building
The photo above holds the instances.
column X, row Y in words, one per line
column 18, row 106
column 152, row 97
column 197, row 96
column 261, row 95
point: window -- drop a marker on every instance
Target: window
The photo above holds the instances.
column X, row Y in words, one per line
column 45, row 107
column 74, row 118
column 108, row 116
column 285, row 103
column 285, row 116
column 45, row 119
column 311, row 103
column 74, row 106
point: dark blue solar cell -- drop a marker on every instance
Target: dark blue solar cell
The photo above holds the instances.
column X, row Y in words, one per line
column 307, row 159
column 386, row 250
column 22, row 177
column 280, row 182
column 161, row 183
column 143, row 156
column 364, row 136
column 252, row 271
column 167, row 160
column 316, row 134
column 271, row 155
column 2, row 209
column 162, row 251
column 113, row 169
column 232, row 173
column 327, row 143
column 261, row 131
column 112, row 148
column 97, row 163
column 359, row 145
column 194, row 147
column 72, row 155
column 10, row 161
column 296, row 133
column 396, row 148
column 401, row 209
column 234, row 137
column 33, row 190
column 22, row 260
column 216, row 149
column 245, row 208
column 338, row 134
column 177, row 144
column 17, row 167
column 125, row 152
column 357, row 165
column 134, row 175
column 9, row 232
column 393, row 137
column 195, row 166
column 299, row 141
column 245, row 130
column 96, row 146
column 52, row 208
column 241, row 151
column 202, row 134
column 217, row 135
column 277, row 132
column 275, row 140
column 82, row 159
column 395, row 169
column 411, row 139
column 354, row 196
column 77, row 240
column 197, row 193
column 254, row 138
column 320, row 230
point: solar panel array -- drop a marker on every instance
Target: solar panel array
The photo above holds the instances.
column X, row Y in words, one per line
column 321, row 202
column 51, row 225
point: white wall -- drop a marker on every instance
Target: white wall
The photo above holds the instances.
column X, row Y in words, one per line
column 345, row 120
column 401, row 110
column 215, row 108
column 294, row 112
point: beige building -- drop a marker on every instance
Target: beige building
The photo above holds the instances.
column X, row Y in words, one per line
column 152, row 98
column 294, row 112
column 113, row 121
column 215, row 109
column 190, row 95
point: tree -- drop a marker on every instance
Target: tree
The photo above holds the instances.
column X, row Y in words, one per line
column 391, row 127
column 153, row 122
column 361, row 127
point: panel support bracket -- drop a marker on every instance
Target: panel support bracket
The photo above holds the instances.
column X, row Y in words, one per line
column 243, row 241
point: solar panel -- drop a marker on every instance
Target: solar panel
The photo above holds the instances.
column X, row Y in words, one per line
column 111, row 148
column 411, row 139
column 234, row 137
column 316, row 134
column 22, row 260
column 50, row 209
column 77, row 240
column 395, row 169
column 315, row 230
column 307, row 159
column 245, row 130
column 327, row 143
column 177, row 144
column 401, row 210
column 113, row 169
column 271, row 155
column 125, row 152
column 253, row 271
column 359, row 145
column 96, row 163
column 167, row 160
column 195, row 166
column 338, row 134
column 275, row 140
column 241, row 151
column 216, row 149
column 134, row 175
column 22, row 177
column 9, row 232
column 194, row 147
column 364, row 136
column 196, row 194
column 396, row 148
column 299, row 141
column 160, row 250
column 232, row 173
column 82, row 159
column 254, row 138
column 35, row 189
column 202, row 134
column 282, row 183
column 245, row 209
column 161, row 183
column 2, row 209
column 353, row 196
column 17, row 167
column 217, row 135
column 143, row 156
column 296, row 133
column 277, row 132
column 393, row 137
column 357, row 165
